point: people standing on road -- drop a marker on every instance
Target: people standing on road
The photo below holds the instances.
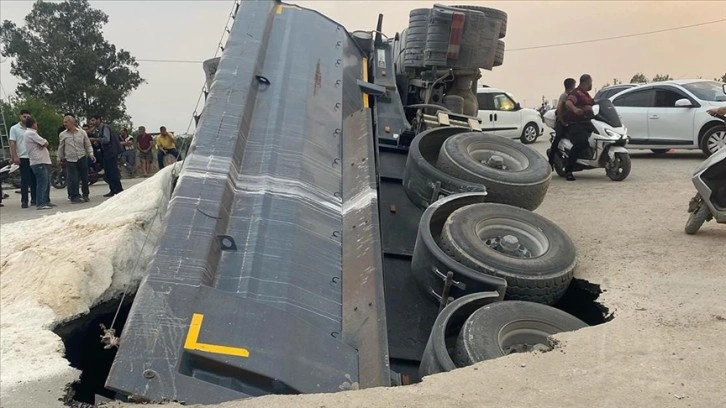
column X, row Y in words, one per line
column 39, row 157
column 144, row 141
column 74, row 149
column 60, row 165
column 128, row 156
column 561, row 123
column 165, row 144
column 111, row 146
column 579, row 112
column 96, row 145
column 19, row 156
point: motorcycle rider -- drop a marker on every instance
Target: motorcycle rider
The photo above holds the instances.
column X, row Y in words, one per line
column 561, row 124
column 579, row 112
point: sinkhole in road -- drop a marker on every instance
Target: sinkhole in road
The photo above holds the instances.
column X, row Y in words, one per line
column 580, row 300
column 85, row 352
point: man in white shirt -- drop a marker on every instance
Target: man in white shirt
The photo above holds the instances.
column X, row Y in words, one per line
column 74, row 149
column 39, row 157
column 19, row 156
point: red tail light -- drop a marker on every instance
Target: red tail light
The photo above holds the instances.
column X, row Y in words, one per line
column 457, row 30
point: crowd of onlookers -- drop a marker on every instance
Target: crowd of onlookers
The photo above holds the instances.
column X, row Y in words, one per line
column 91, row 148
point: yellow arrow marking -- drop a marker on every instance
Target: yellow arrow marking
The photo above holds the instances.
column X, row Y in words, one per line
column 191, row 342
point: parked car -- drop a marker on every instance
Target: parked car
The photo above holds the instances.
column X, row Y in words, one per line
column 612, row 90
column 672, row 115
column 499, row 110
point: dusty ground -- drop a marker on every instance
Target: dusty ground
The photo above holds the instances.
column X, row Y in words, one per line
column 666, row 346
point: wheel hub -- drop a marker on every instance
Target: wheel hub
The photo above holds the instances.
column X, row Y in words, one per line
column 527, row 348
column 509, row 245
column 717, row 141
column 495, row 162
column 613, row 165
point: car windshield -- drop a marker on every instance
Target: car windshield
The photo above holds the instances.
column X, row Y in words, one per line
column 608, row 114
column 511, row 97
column 711, row 91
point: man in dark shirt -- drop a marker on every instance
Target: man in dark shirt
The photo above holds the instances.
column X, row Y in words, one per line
column 561, row 123
column 111, row 146
column 579, row 112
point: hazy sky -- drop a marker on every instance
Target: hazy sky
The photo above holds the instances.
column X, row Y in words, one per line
column 190, row 30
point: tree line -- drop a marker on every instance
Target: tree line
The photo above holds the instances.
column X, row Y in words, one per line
column 640, row 78
column 66, row 66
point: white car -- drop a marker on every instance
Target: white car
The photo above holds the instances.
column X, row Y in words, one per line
column 672, row 115
column 500, row 113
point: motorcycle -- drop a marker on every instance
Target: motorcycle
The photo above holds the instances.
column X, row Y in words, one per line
column 58, row 175
column 10, row 173
column 709, row 178
column 606, row 144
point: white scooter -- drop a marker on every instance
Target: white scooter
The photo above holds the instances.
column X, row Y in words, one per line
column 607, row 144
column 710, row 200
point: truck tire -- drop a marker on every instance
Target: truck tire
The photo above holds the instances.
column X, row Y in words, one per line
column 413, row 48
column 538, row 267
column 499, row 56
column 492, row 14
column 522, row 181
column 419, row 13
column 503, row 328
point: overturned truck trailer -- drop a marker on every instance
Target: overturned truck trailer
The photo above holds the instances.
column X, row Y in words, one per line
column 301, row 251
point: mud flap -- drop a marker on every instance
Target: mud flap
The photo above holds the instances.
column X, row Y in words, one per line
column 616, row 149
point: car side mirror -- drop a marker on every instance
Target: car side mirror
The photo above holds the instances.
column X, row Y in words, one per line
column 517, row 106
column 683, row 103
column 595, row 110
